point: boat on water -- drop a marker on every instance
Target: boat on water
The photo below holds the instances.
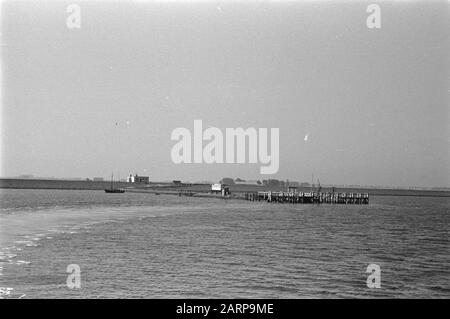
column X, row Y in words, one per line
column 113, row 190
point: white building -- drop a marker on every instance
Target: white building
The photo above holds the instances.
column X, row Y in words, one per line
column 138, row 179
column 220, row 189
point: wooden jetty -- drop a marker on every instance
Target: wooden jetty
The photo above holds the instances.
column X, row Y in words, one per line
column 309, row 198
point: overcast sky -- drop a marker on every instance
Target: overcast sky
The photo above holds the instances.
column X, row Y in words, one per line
column 373, row 102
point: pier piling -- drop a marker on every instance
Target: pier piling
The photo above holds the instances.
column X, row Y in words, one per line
column 309, row 198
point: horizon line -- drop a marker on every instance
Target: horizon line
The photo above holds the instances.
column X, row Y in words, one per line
column 209, row 181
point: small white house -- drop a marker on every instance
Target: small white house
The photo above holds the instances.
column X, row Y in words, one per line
column 220, row 189
column 138, row 179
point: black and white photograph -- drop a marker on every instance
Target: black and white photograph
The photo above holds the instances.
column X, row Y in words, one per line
column 245, row 151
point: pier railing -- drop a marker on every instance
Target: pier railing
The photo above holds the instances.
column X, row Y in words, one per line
column 309, row 197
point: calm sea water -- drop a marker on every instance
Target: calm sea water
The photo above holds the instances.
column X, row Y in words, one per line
column 146, row 246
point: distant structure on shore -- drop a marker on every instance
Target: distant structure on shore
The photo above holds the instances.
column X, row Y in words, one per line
column 239, row 181
column 138, row 179
column 220, row 188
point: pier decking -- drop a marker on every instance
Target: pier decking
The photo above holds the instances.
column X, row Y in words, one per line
column 309, row 198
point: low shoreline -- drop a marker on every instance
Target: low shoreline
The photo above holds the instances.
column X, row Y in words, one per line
column 197, row 190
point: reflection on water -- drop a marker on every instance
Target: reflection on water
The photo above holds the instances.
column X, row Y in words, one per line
column 139, row 245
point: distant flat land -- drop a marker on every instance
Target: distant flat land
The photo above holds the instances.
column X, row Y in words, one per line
column 196, row 188
column 56, row 184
